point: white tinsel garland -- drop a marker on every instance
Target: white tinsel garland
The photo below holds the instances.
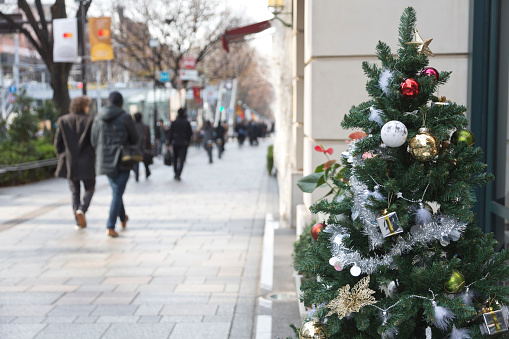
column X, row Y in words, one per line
column 383, row 81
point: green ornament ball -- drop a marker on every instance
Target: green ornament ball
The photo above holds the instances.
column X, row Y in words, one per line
column 463, row 135
column 455, row 283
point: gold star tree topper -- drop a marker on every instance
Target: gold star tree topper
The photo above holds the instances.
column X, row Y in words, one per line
column 422, row 45
column 347, row 302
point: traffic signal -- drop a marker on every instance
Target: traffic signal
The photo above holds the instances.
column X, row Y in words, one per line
column 221, row 108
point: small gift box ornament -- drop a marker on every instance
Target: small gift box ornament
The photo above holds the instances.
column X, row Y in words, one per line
column 389, row 224
column 442, row 101
column 494, row 322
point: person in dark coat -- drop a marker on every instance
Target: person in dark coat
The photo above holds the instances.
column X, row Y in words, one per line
column 179, row 136
column 209, row 136
column 160, row 135
column 220, row 133
column 76, row 156
column 144, row 145
column 112, row 129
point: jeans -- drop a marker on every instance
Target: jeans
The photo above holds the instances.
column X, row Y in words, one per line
column 75, row 187
column 136, row 169
column 179, row 157
column 118, row 184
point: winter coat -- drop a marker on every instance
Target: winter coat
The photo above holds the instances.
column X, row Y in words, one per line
column 144, row 143
column 76, row 156
column 111, row 129
column 220, row 132
column 208, row 134
column 180, row 132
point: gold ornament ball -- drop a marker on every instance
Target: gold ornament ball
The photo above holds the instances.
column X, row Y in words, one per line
column 312, row 329
column 424, row 146
column 463, row 135
column 455, row 283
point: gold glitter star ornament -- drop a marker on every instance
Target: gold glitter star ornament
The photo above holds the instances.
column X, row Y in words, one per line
column 422, row 45
column 352, row 301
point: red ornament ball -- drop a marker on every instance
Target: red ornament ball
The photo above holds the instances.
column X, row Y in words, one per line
column 409, row 88
column 431, row 72
column 316, row 229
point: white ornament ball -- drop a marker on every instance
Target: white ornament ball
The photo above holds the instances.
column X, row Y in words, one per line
column 355, row 271
column 394, row 133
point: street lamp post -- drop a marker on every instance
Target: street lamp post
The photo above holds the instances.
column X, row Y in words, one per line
column 82, row 41
column 154, row 43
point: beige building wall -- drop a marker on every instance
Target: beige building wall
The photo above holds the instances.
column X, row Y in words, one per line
column 327, row 43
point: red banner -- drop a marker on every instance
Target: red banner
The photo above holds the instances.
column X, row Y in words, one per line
column 197, row 94
column 239, row 33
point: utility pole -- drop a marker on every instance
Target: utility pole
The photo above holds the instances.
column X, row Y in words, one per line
column 83, row 51
column 154, row 43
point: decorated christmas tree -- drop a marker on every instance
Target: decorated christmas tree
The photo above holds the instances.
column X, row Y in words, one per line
column 398, row 254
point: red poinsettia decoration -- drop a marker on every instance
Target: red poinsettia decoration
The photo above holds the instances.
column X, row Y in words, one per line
column 319, row 148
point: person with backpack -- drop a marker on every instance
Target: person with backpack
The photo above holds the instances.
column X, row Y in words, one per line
column 112, row 130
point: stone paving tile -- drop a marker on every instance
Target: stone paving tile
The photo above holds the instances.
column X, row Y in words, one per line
column 152, row 331
column 148, row 310
column 78, row 298
column 151, row 319
column 219, row 330
column 61, row 331
column 20, row 330
column 117, row 319
column 115, row 298
column 60, row 319
column 52, row 288
column 25, row 310
column 170, row 298
column 29, row 298
column 118, row 310
column 28, row 320
column 6, row 319
column 126, row 280
column 86, row 320
column 72, row 310
column 200, row 288
column 189, row 309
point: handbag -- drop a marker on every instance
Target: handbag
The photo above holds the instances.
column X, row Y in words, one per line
column 168, row 158
column 130, row 155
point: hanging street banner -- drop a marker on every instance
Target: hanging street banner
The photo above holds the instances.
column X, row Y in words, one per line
column 65, row 40
column 99, row 34
column 189, row 74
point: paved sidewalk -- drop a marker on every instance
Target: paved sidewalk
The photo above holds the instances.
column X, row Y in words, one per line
column 186, row 267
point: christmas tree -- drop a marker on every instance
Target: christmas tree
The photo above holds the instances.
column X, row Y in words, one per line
column 400, row 255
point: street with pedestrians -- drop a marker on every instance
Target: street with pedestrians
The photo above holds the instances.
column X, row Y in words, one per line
column 187, row 264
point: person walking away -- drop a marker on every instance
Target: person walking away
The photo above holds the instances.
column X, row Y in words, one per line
column 76, row 156
column 179, row 137
column 241, row 133
column 252, row 132
column 208, row 138
column 144, row 145
column 160, row 136
column 220, row 133
column 112, row 129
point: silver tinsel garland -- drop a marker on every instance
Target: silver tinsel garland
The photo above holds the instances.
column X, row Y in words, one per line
column 441, row 227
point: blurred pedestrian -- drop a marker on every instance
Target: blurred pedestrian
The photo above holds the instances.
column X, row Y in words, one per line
column 76, row 156
column 220, row 132
column 144, row 145
column 208, row 138
column 112, row 129
column 252, row 132
column 160, row 136
column 240, row 129
column 179, row 138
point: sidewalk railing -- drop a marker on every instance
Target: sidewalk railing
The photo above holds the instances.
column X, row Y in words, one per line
column 28, row 165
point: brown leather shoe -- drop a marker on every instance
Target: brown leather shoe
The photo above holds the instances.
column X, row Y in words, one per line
column 123, row 224
column 80, row 216
column 111, row 233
